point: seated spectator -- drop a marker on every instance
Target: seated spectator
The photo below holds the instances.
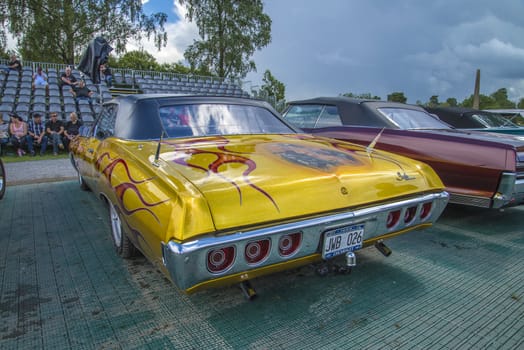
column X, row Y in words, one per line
column 68, row 79
column 4, row 134
column 18, row 131
column 72, row 129
column 40, row 79
column 14, row 65
column 81, row 92
column 36, row 135
column 55, row 130
column 106, row 75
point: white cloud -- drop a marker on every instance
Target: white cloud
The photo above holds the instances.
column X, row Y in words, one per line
column 179, row 35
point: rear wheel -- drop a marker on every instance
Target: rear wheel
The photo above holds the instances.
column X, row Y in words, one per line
column 123, row 246
column 2, row 179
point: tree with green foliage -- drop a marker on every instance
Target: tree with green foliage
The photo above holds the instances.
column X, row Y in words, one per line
column 231, row 31
column 139, row 60
column 452, row 102
column 520, row 105
column 497, row 100
column 272, row 87
column 60, row 30
column 397, row 97
column 433, row 101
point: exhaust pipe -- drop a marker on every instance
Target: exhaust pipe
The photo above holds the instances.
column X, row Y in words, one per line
column 381, row 247
column 248, row 290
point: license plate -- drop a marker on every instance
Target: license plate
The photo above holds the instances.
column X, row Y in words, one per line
column 342, row 240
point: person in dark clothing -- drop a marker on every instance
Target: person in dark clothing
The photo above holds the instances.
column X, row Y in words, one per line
column 36, row 134
column 14, row 65
column 81, row 92
column 55, row 130
column 68, row 79
column 72, row 129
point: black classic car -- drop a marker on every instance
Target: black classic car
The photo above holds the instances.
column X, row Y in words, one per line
column 478, row 168
column 474, row 119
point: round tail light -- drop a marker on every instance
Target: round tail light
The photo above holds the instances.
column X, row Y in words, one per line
column 219, row 260
column 289, row 244
column 393, row 218
column 257, row 251
column 409, row 215
column 426, row 210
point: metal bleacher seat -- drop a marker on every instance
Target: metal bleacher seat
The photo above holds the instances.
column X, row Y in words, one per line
column 39, row 91
column 54, row 100
column 8, row 99
column 25, row 85
column 10, row 91
column 13, row 76
column 68, row 99
column 22, row 108
column 6, row 107
column 69, row 107
column 24, row 99
column 11, row 84
column 54, row 91
column 87, row 117
column 55, row 107
column 39, row 108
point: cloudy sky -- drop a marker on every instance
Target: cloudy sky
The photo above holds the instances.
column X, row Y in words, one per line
column 421, row 48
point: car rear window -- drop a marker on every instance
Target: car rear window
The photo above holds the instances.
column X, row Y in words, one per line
column 219, row 119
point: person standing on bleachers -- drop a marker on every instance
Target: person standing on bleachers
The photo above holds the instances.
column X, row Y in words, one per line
column 36, row 134
column 72, row 129
column 106, row 75
column 55, row 130
column 18, row 131
column 68, row 79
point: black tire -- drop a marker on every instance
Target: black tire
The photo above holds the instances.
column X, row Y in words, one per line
column 123, row 246
column 2, row 179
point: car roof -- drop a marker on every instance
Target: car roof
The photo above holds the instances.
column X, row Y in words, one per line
column 184, row 98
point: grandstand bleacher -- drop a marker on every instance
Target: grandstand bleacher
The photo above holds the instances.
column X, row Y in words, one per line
column 18, row 95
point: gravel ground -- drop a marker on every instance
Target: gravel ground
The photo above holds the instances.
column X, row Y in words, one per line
column 36, row 171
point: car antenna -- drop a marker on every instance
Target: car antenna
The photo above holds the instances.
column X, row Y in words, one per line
column 157, row 154
column 371, row 146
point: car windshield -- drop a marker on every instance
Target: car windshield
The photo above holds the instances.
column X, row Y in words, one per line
column 493, row 121
column 312, row 116
column 407, row 119
column 219, row 119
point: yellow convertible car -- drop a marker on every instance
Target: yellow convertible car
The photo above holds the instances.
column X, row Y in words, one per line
column 220, row 190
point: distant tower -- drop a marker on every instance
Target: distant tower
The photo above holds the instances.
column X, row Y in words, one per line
column 476, row 94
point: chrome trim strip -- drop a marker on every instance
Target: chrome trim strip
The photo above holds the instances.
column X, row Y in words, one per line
column 188, row 247
column 186, row 262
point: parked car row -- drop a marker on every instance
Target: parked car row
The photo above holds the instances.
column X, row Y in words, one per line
column 477, row 168
column 221, row 190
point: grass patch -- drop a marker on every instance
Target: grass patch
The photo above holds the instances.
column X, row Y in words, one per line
column 13, row 158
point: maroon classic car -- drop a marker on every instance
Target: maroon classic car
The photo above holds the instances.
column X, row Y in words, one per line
column 478, row 169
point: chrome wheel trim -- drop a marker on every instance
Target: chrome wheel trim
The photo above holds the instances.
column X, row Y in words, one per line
column 116, row 225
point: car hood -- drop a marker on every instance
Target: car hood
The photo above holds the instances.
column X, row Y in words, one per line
column 255, row 179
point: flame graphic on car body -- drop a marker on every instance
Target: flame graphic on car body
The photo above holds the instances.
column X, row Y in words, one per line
column 223, row 156
column 120, row 189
